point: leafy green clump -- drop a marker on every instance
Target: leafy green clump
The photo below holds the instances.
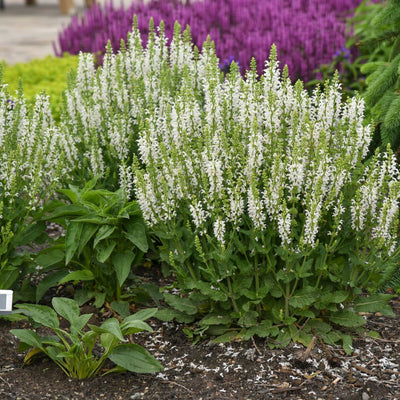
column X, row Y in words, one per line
column 105, row 238
column 74, row 349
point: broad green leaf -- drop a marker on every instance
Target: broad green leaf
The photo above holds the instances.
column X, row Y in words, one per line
column 136, row 233
column 373, row 303
column 69, row 211
column 8, row 277
column 51, row 257
column 122, row 265
column 347, row 318
column 320, row 327
column 213, row 319
column 228, row 337
column 104, row 252
column 99, row 299
column 304, row 297
column 182, row 304
column 121, row 308
column 111, row 326
column 81, row 275
column 264, row 329
column 334, row 297
column 72, row 238
column 135, row 358
column 135, row 326
column 28, row 336
column 103, row 233
column 30, row 234
column 48, row 282
column 43, row 315
column 88, row 231
column 72, row 193
column 167, row 314
column 142, row 314
column 67, row 308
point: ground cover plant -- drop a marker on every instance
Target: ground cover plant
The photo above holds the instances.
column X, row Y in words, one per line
column 307, row 33
column 48, row 74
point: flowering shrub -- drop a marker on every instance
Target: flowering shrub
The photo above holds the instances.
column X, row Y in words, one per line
column 306, row 32
column 258, row 194
column 33, row 157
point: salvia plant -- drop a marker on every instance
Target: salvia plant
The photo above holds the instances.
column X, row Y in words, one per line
column 259, row 197
column 34, row 155
column 306, row 32
column 82, row 349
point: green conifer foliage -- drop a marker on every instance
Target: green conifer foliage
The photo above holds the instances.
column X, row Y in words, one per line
column 383, row 77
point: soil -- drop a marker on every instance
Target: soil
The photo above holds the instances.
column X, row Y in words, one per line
column 238, row 370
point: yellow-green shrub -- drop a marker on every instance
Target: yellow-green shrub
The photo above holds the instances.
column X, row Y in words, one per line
column 47, row 74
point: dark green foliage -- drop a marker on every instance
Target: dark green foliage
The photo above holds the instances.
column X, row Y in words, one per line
column 383, row 74
column 105, row 238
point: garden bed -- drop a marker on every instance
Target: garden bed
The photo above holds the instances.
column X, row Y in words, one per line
column 238, row 370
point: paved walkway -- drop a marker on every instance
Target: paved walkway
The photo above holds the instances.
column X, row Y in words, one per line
column 28, row 32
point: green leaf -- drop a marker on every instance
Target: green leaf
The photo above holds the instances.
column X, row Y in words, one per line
column 122, row 265
column 347, row 318
column 228, row 337
column 88, row 231
column 72, row 239
column 135, row 358
column 103, row 233
column 69, row 211
column 49, row 281
column 142, row 315
column 104, row 252
column 43, row 315
column 81, row 275
column 135, row 326
column 136, row 233
column 373, row 303
column 28, row 337
column 304, row 297
column 99, row 299
column 8, row 276
column 67, row 308
column 111, row 326
column 213, row 319
column 121, row 308
column 167, row 314
column 182, row 304
column 50, row 257
column 29, row 235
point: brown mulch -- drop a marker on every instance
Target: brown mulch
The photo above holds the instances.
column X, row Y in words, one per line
column 238, row 370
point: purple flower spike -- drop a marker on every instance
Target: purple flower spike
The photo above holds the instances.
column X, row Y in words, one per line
column 306, row 32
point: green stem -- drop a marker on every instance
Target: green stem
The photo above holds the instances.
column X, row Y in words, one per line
column 235, row 307
column 287, row 298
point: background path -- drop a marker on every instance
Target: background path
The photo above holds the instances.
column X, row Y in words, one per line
column 27, row 32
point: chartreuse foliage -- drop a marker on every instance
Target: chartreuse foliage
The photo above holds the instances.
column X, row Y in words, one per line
column 259, row 197
column 383, row 72
column 75, row 350
column 105, row 238
column 48, row 74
